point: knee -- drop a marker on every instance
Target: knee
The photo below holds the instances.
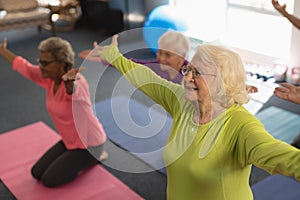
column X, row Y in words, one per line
column 35, row 174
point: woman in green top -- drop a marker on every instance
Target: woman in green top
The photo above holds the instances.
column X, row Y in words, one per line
column 214, row 140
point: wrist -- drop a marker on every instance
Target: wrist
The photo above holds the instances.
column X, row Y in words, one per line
column 286, row 14
column 70, row 86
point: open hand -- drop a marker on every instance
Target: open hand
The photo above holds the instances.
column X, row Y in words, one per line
column 278, row 7
column 87, row 54
column 251, row 89
column 90, row 55
column 71, row 74
column 288, row 92
column 94, row 54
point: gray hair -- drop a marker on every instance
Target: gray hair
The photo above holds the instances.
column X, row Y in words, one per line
column 179, row 42
column 60, row 49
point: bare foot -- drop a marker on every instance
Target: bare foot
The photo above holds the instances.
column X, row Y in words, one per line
column 103, row 156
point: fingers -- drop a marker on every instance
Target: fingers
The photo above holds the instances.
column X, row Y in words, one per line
column 281, row 90
column 4, row 42
column 115, row 40
column 288, row 86
column 288, row 92
column 275, row 3
column 65, row 77
column 84, row 53
column 284, row 6
column 95, row 44
column 253, row 89
column 92, row 55
column 81, row 68
column 71, row 74
column 279, row 93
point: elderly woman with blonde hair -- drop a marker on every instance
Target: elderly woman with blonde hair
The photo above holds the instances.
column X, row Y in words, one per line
column 214, row 140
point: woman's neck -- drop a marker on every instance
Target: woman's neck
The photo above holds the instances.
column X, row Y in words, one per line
column 205, row 113
column 58, row 78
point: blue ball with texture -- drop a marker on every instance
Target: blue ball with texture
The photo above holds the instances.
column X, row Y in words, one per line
column 161, row 19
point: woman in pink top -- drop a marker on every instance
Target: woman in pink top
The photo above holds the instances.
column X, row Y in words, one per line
column 68, row 103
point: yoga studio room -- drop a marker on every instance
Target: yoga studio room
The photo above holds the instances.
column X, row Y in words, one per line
column 150, row 99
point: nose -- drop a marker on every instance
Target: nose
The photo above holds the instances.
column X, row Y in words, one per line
column 189, row 76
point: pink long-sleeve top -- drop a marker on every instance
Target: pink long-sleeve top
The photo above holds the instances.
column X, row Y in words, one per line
column 72, row 115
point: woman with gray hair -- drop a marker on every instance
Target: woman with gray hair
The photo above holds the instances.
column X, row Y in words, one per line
column 214, row 140
column 173, row 50
column 68, row 103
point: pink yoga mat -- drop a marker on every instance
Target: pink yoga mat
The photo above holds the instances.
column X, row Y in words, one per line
column 20, row 148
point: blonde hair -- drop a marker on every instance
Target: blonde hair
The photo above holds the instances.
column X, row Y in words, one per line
column 179, row 42
column 231, row 76
column 60, row 49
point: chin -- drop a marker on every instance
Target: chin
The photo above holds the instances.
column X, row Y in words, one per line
column 190, row 96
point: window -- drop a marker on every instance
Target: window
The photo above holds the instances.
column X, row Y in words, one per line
column 259, row 5
column 256, row 26
column 251, row 25
column 205, row 19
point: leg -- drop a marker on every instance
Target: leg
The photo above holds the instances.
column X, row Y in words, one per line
column 68, row 166
column 42, row 164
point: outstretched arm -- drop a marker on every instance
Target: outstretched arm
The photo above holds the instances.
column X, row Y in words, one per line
column 282, row 10
column 288, row 92
column 5, row 53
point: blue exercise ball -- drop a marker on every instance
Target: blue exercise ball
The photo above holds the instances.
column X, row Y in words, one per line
column 161, row 19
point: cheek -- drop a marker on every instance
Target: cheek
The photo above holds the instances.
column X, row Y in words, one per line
column 178, row 62
column 157, row 56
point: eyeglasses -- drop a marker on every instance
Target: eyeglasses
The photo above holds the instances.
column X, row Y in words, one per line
column 45, row 63
column 196, row 74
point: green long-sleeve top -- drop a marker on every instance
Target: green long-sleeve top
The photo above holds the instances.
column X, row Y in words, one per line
column 209, row 161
